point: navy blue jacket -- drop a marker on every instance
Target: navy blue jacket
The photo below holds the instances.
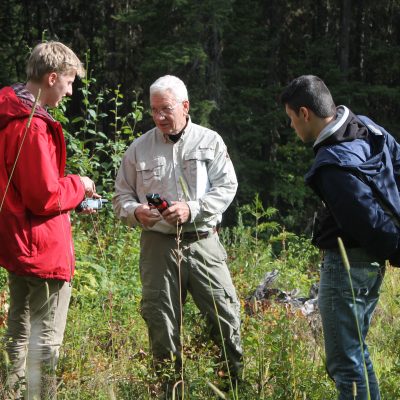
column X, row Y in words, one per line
column 356, row 173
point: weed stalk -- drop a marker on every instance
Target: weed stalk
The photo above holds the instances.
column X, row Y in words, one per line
column 234, row 390
column 347, row 266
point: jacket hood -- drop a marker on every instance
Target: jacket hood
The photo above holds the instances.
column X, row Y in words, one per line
column 16, row 103
column 344, row 128
column 351, row 142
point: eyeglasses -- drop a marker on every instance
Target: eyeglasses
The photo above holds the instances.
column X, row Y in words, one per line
column 164, row 111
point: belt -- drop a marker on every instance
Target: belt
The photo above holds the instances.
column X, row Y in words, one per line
column 198, row 235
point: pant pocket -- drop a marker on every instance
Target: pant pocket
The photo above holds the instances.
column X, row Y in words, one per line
column 150, row 303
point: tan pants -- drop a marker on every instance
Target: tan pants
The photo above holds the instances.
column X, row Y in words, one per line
column 202, row 271
column 36, row 324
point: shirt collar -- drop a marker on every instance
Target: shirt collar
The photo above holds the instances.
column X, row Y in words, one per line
column 181, row 134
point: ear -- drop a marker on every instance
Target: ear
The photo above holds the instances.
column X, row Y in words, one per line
column 305, row 113
column 51, row 78
column 186, row 106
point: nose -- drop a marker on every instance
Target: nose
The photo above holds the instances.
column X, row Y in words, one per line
column 159, row 115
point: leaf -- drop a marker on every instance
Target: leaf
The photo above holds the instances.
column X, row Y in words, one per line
column 92, row 113
column 77, row 119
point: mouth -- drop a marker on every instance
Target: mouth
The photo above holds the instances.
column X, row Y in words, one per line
column 164, row 126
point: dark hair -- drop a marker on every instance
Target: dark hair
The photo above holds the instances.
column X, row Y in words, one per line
column 311, row 92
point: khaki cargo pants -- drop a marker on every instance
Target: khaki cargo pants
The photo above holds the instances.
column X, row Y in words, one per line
column 36, row 324
column 203, row 272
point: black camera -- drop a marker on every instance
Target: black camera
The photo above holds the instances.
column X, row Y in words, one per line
column 155, row 200
column 95, row 204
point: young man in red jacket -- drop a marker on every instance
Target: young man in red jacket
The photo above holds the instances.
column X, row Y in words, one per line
column 35, row 232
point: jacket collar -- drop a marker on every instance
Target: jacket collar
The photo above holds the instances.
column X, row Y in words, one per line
column 27, row 98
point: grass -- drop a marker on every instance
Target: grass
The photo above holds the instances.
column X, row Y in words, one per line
column 105, row 352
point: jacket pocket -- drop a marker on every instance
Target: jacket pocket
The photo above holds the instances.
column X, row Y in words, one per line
column 19, row 230
column 42, row 235
column 51, row 234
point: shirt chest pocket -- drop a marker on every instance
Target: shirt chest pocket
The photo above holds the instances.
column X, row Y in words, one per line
column 196, row 166
column 151, row 170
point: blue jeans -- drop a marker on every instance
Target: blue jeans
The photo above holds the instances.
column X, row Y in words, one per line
column 344, row 361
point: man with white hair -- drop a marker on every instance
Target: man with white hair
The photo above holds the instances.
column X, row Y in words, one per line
column 188, row 165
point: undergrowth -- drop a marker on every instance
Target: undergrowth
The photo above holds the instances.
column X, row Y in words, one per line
column 105, row 354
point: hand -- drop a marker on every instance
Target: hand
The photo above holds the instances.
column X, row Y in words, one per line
column 177, row 214
column 89, row 210
column 147, row 216
column 89, row 186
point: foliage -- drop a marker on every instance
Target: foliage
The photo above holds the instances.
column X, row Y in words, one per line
column 258, row 242
column 105, row 352
column 90, row 151
column 234, row 58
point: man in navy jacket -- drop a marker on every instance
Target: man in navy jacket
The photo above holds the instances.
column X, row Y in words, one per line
column 356, row 174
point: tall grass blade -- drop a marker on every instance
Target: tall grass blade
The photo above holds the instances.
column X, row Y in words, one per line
column 216, row 391
column 347, row 266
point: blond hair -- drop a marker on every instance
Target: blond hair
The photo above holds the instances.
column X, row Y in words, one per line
column 52, row 57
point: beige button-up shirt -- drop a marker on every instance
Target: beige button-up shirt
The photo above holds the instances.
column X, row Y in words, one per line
column 196, row 169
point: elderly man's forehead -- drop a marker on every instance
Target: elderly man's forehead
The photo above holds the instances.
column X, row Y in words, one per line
column 164, row 95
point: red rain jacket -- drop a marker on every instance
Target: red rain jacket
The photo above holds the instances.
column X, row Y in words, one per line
column 35, row 229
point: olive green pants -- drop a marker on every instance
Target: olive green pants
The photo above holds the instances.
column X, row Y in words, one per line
column 203, row 273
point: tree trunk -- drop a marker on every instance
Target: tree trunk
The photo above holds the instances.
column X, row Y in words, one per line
column 345, row 36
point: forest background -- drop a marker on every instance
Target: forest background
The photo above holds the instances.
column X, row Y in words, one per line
column 235, row 57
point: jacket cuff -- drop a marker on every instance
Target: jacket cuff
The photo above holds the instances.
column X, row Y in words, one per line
column 80, row 189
